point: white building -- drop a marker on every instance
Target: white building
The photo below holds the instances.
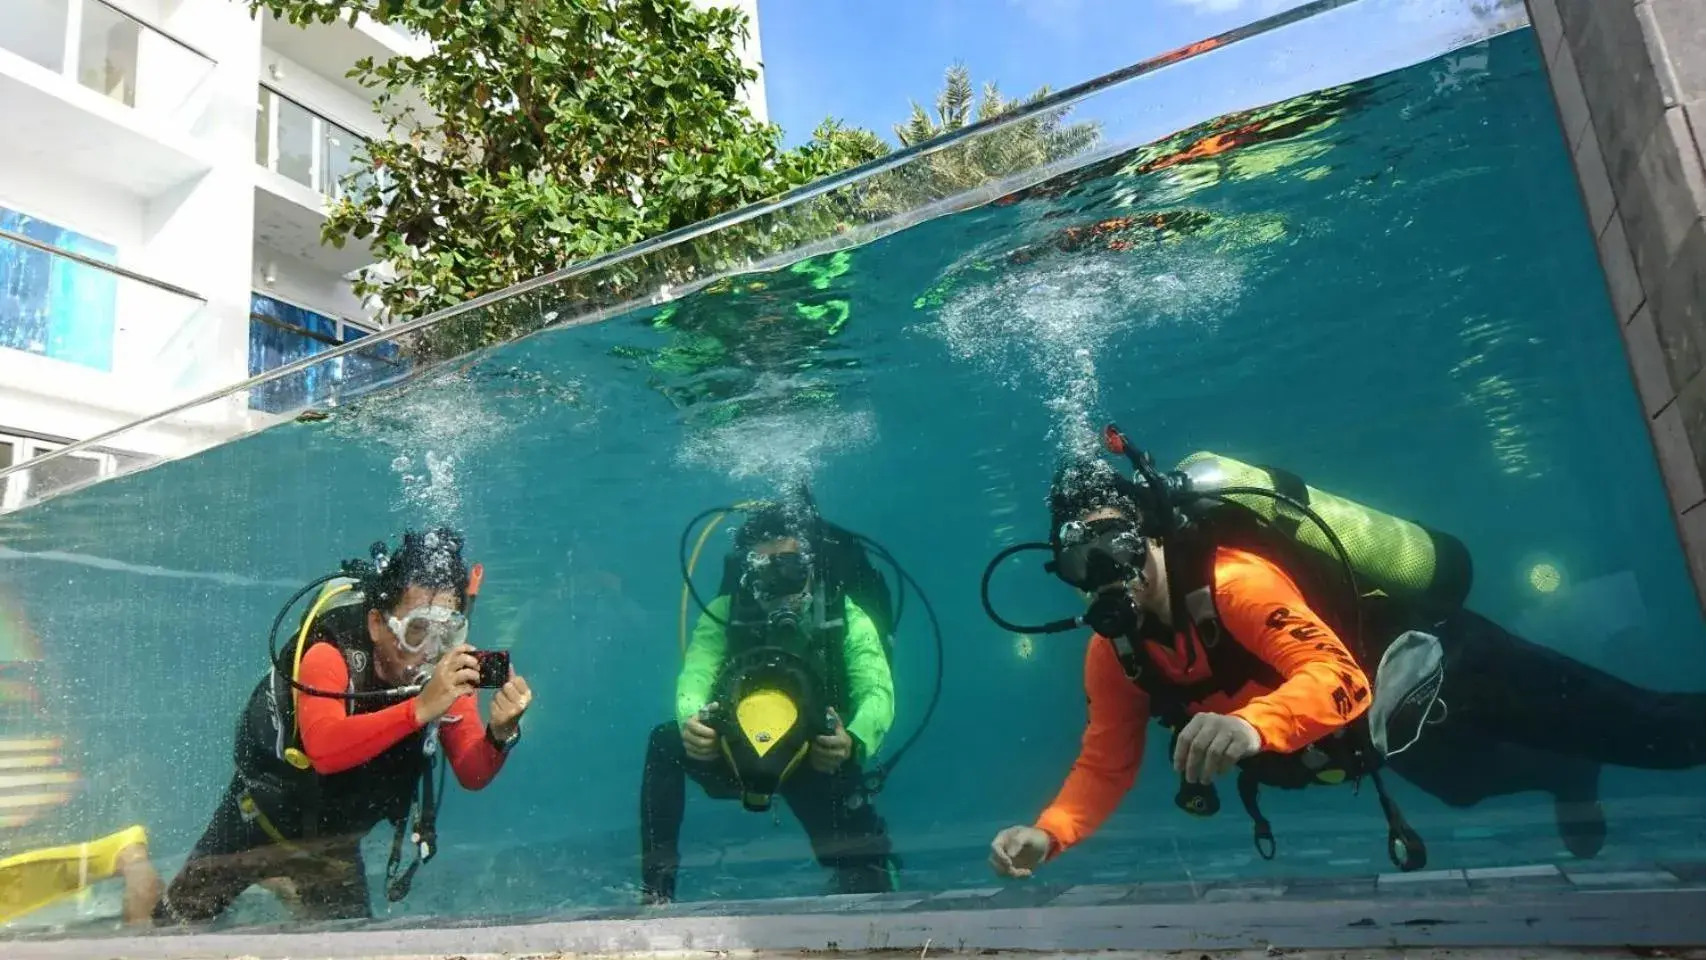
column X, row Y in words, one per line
column 160, row 221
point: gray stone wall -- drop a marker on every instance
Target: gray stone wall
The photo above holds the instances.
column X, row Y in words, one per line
column 1630, row 81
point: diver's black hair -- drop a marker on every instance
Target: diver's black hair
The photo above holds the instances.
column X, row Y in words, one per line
column 1085, row 483
column 432, row 559
column 795, row 515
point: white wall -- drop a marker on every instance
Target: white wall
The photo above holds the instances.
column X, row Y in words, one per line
column 93, row 209
column 751, row 54
column 302, row 283
column 207, row 226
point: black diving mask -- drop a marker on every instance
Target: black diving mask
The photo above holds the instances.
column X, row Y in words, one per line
column 1094, row 554
column 773, row 578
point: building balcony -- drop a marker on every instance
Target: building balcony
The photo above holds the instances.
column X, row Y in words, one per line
column 87, row 345
column 329, row 50
column 305, row 162
column 103, row 95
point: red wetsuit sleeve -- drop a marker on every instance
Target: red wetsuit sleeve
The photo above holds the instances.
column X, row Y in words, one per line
column 334, row 740
column 471, row 754
column 1108, row 757
column 1324, row 689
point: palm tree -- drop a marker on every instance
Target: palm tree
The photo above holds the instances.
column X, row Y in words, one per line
column 1018, row 147
column 980, row 161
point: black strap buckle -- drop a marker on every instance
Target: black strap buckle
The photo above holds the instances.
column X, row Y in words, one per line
column 1248, row 787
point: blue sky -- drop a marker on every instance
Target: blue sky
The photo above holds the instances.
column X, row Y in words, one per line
column 865, row 60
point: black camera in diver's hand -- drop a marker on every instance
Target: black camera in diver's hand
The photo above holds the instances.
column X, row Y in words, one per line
column 494, row 668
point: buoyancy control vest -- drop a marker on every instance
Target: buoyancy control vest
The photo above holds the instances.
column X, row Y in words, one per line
column 1408, row 578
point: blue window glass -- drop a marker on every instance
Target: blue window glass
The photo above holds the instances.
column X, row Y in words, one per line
column 281, row 333
column 54, row 306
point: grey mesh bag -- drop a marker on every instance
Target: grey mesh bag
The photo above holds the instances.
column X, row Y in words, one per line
column 1406, row 688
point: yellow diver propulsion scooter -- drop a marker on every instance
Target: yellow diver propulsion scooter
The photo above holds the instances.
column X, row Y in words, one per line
column 765, row 721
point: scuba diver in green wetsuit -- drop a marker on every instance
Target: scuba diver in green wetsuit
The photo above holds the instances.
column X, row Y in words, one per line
column 786, row 688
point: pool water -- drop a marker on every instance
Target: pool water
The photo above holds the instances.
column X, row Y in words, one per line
column 1386, row 287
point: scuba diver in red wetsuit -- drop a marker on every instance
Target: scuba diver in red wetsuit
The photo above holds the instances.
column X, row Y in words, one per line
column 345, row 732
column 1306, row 639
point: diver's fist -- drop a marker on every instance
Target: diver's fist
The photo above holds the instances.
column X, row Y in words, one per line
column 832, row 749
column 457, row 675
column 508, row 704
column 1017, row 851
column 698, row 738
column 1211, row 744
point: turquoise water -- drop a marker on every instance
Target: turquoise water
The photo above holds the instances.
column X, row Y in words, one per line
column 1386, row 287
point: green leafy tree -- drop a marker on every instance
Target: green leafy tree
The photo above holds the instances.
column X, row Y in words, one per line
column 1018, row 147
column 553, row 131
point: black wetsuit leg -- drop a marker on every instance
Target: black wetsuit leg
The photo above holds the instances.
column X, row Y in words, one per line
column 663, row 806
column 1521, row 717
column 234, row 854
column 1501, row 687
column 847, row 835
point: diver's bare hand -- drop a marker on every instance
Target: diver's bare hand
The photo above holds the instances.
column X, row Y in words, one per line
column 1017, row 851
column 831, row 750
column 698, row 738
column 456, row 676
column 508, row 704
column 1211, row 744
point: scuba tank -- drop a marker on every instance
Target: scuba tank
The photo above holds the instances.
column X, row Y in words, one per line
column 1419, row 568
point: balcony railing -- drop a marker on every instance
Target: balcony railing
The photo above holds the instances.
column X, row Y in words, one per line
column 299, row 144
column 108, row 51
column 77, row 308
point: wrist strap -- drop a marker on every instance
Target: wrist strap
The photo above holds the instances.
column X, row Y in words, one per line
column 502, row 745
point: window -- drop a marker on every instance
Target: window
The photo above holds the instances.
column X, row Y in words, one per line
column 30, row 485
column 281, row 333
column 65, row 471
column 51, row 305
column 295, row 145
column 107, row 53
column 303, row 146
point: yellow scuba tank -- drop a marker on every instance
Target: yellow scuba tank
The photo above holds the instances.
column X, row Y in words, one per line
column 1410, row 563
column 339, row 592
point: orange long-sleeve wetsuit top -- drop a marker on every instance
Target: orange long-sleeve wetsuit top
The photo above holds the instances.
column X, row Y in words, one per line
column 1261, row 608
column 336, row 740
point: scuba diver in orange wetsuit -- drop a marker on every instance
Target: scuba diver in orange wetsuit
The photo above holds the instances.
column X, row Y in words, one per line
column 1306, row 639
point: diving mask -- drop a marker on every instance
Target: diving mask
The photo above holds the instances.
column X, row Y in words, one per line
column 774, row 579
column 429, row 630
column 1092, row 554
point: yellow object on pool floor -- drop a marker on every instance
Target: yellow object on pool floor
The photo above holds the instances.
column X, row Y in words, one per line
column 30, row 881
